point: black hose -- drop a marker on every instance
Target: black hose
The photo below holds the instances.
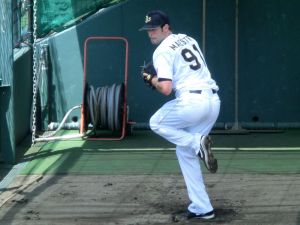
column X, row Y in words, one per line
column 105, row 107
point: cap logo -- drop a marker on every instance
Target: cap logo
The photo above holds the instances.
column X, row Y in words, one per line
column 147, row 19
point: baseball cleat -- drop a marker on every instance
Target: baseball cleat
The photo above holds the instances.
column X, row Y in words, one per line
column 205, row 216
column 206, row 155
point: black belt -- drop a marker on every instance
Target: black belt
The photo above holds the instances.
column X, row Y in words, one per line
column 200, row 91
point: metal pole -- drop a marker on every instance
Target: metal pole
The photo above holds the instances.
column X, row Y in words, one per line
column 236, row 125
column 35, row 72
column 203, row 26
column 30, row 21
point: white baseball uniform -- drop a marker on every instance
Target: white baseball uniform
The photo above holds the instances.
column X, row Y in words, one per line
column 191, row 114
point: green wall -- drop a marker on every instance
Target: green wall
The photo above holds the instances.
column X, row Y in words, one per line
column 220, row 52
column 22, row 93
column 268, row 37
column 7, row 142
column 269, row 57
column 15, row 110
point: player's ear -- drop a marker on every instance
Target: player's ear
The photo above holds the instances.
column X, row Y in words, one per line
column 166, row 27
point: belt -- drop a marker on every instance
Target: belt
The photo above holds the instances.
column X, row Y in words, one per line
column 200, row 91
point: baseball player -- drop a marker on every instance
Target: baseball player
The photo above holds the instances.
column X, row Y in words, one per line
column 179, row 66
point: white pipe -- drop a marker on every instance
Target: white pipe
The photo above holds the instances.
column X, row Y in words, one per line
column 61, row 124
column 64, row 137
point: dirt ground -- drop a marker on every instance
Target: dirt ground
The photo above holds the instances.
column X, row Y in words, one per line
column 239, row 199
column 124, row 183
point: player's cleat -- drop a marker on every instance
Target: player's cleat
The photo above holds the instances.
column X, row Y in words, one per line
column 205, row 216
column 206, row 155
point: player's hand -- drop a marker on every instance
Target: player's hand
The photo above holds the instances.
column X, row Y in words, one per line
column 148, row 72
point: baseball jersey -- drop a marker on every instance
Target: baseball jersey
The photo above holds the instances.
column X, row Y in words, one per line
column 179, row 58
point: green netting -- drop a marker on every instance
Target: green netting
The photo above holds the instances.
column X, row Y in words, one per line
column 56, row 15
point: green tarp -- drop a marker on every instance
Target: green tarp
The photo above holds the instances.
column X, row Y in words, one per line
column 56, row 15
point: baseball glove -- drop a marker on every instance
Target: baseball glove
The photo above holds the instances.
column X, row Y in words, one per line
column 148, row 72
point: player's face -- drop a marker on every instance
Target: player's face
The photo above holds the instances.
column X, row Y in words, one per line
column 156, row 35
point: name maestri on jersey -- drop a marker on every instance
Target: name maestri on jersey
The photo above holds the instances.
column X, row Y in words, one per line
column 181, row 42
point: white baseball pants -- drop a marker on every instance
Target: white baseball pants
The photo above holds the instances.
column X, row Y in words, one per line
column 183, row 121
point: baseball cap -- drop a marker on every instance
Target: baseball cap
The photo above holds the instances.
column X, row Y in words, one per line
column 155, row 19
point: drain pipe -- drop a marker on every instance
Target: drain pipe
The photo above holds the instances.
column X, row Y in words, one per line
column 236, row 125
column 203, row 27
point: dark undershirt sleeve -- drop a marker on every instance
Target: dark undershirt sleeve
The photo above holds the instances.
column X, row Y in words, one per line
column 164, row 79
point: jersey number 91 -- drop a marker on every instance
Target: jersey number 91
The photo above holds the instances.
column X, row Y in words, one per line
column 190, row 57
